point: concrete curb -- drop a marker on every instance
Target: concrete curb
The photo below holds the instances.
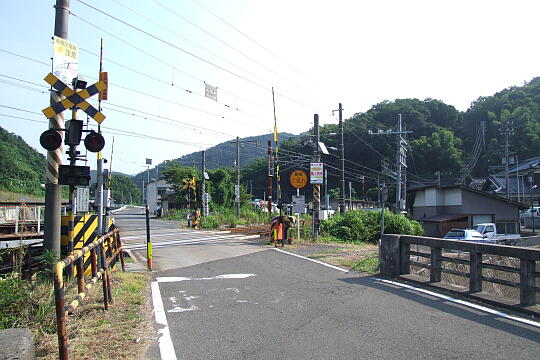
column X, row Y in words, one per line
column 17, row 344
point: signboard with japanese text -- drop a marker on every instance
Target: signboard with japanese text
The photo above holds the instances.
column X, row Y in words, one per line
column 316, row 173
column 65, row 60
column 82, row 199
column 298, row 179
column 299, row 204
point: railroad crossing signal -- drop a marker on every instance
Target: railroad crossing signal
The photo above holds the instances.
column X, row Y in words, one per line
column 189, row 183
column 74, row 98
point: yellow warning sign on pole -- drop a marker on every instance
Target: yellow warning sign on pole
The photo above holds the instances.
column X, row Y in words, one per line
column 104, row 77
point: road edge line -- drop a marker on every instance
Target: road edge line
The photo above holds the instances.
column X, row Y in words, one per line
column 459, row 301
column 166, row 347
column 313, row 260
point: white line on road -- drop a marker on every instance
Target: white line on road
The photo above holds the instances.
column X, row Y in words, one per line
column 461, row 302
column 217, row 277
column 166, row 347
column 160, row 244
column 315, row 261
column 448, row 298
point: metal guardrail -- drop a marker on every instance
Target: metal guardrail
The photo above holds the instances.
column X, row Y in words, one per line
column 396, row 260
column 112, row 240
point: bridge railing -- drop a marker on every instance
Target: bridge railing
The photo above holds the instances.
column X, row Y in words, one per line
column 396, row 253
column 114, row 250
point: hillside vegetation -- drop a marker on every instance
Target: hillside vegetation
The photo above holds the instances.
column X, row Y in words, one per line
column 22, row 168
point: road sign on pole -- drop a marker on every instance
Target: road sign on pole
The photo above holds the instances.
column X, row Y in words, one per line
column 65, row 60
column 316, row 173
column 299, row 204
column 298, row 179
column 82, row 199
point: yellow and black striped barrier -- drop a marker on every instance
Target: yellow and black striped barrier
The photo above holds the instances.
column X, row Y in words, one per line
column 113, row 242
column 84, row 233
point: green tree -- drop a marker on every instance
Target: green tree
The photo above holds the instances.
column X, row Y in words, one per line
column 124, row 190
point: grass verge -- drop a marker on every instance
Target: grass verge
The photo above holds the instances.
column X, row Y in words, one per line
column 122, row 332
column 358, row 257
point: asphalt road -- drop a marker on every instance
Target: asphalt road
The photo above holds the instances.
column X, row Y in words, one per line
column 174, row 247
column 272, row 305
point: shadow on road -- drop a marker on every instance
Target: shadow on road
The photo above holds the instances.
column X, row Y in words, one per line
column 461, row 311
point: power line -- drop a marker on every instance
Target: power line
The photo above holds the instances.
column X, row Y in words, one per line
column 155, row 37
column 230, row 46
column 252, row 40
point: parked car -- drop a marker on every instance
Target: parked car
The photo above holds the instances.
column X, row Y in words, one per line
column 466, row 235
column 489, row 231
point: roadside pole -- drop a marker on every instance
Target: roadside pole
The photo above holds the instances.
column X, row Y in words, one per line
column 270, row 177
column 316, row 187
column 298, row 217
column 51, row 231
column 148, row 242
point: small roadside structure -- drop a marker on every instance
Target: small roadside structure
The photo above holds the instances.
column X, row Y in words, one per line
column 442, row 208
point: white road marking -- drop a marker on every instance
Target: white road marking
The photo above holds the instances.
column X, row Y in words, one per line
column 180, row 309
column 315, row 261
column 166, row 347
column 448, row 298
column 218, row 277
column 462, row 302
column 165, row 243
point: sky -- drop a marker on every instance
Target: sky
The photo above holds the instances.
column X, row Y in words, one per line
column 315, row 54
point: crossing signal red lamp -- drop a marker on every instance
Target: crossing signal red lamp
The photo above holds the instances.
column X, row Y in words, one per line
column 94, row 142
column 50, row 140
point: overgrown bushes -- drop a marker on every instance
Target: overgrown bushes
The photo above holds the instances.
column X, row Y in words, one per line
column 364, row 226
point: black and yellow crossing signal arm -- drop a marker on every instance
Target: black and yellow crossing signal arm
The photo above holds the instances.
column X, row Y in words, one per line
column 74, row 98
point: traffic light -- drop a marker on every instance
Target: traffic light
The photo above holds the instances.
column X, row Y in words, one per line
column 94, row 142
column 50, row 140
column 74, row 175
column 73, row 132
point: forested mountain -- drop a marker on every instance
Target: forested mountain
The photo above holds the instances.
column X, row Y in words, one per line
column 22, row 168
column 442, row 139
column 221, row 155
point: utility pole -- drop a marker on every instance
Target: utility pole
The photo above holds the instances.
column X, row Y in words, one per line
column 316, row 187
column 270, row 176
column 203, row 179
column 326, row 191
column 400, row 174
column 341, row 161
column 507, row 130
column 237, row 186
column 51, row 232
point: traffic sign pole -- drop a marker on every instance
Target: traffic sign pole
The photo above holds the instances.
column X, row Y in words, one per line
column 298, row 217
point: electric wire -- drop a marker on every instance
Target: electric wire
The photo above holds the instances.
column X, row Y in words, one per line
column 155, row 37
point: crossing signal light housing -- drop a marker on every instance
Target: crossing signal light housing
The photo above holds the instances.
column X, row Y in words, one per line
column 74, row 175
column 74, row 130
column 94, row 142
column 50, row 140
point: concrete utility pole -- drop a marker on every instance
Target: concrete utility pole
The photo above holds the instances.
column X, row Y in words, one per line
column 203, row 191
column 316, row 187
column 341, row 161
column 400, row 175
column 237, row 190
column 507, row 130
column 270, row 176
column 51, row 232
column 237, row 187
